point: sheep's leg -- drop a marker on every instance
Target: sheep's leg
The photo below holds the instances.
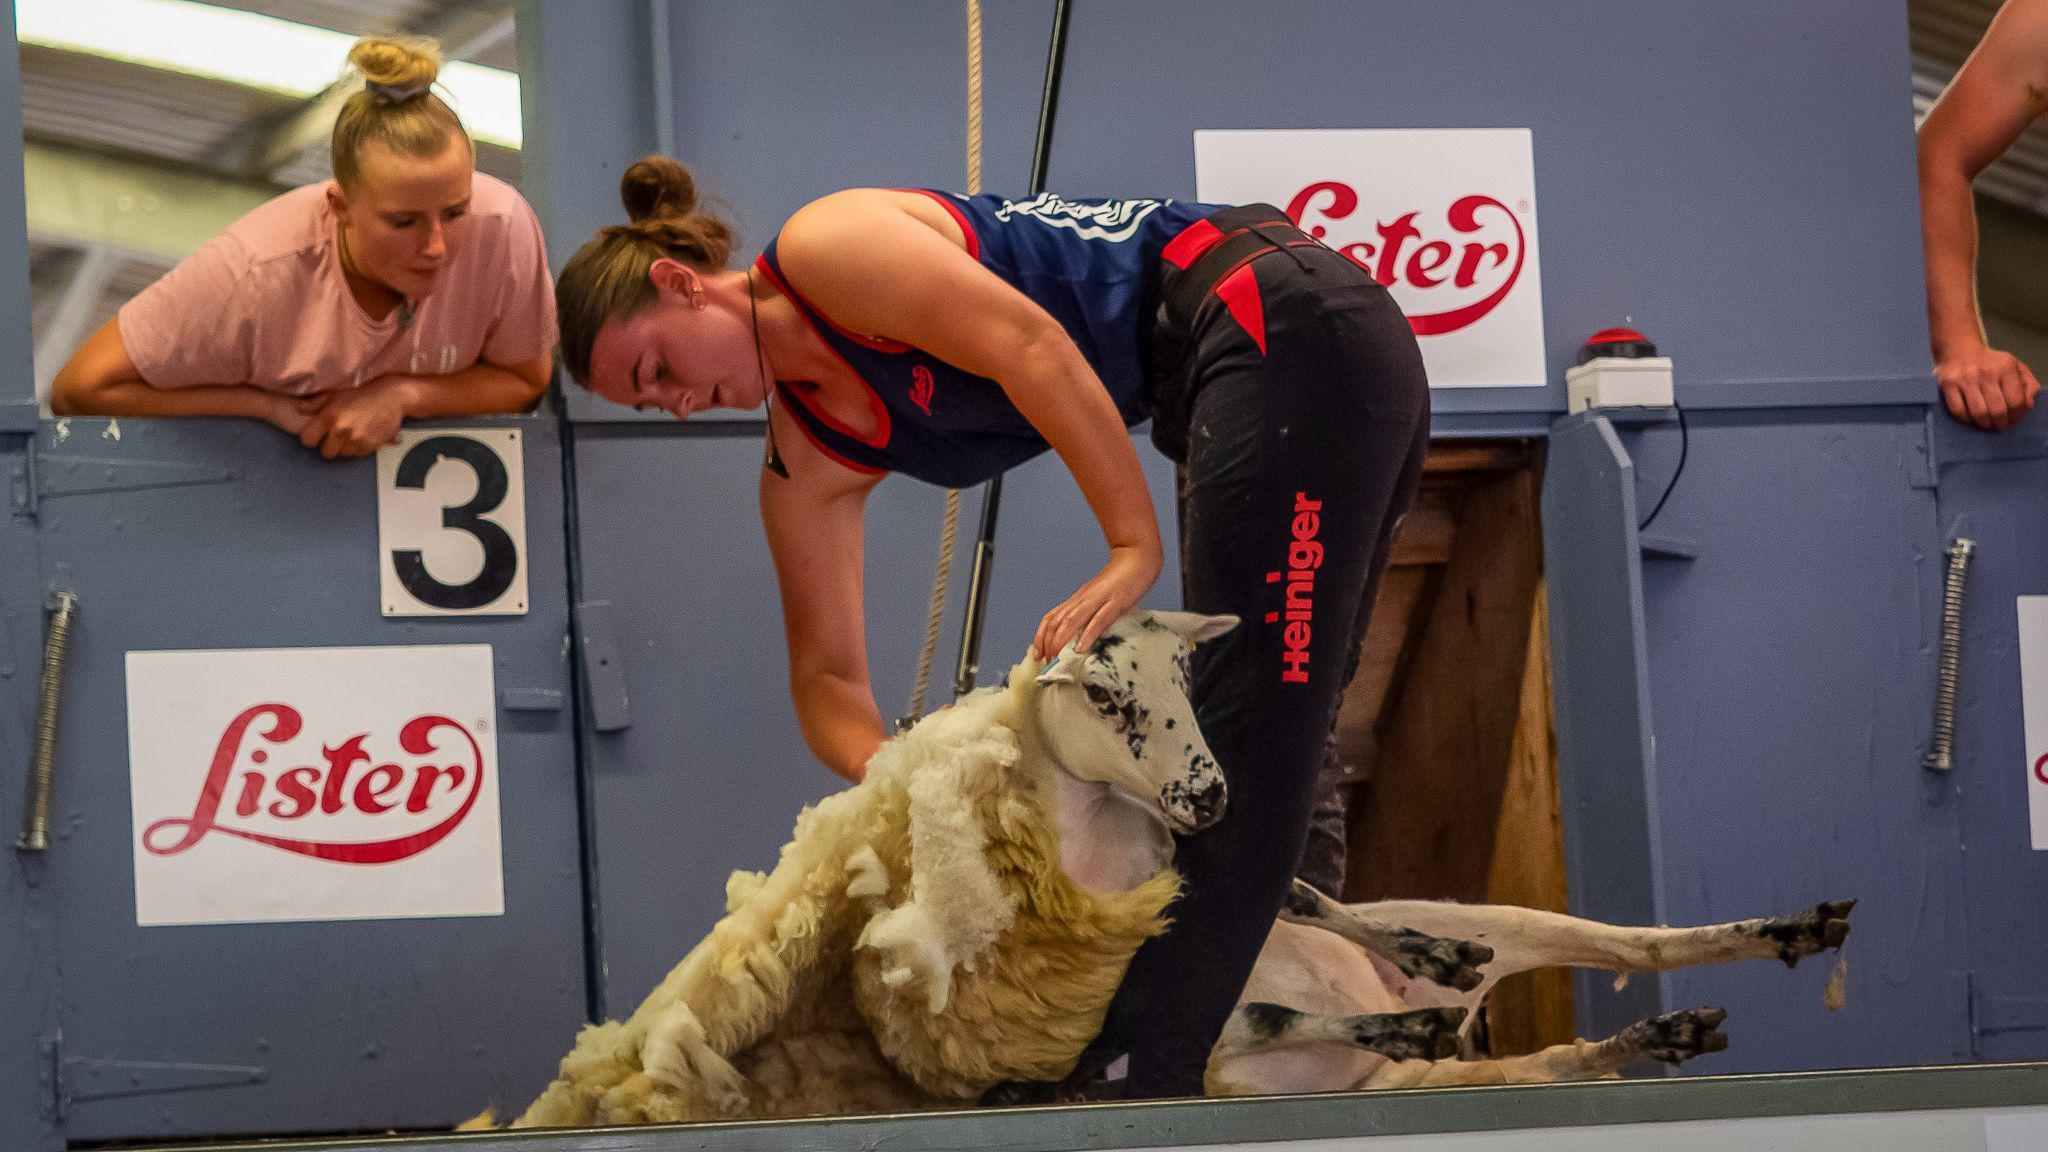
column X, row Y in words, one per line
column 1672, row 1038
column 1524, row 938
column 1451, row 962
column 1423, row 1034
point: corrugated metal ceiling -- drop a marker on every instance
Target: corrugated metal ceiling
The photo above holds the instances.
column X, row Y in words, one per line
column 1943, row 34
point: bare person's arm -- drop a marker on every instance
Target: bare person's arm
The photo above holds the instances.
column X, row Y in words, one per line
column 2001, row 89
column 100, row 380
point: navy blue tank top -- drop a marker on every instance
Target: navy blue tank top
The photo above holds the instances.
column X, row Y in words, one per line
column 1091, row 264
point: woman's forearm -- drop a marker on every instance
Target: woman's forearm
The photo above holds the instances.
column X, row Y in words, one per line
column 1949, row 224
column 1055, row 389
column 840, row 722
column 135, row 398
column 479, row 390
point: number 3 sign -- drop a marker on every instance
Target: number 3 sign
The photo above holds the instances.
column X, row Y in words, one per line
column 451, row 523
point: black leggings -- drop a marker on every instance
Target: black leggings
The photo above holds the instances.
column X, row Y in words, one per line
column 1298, row 458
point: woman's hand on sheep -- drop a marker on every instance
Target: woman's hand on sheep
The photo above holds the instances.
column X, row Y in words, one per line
column 1099, row 603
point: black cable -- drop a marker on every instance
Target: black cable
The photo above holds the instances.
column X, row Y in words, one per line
column 1684, row 439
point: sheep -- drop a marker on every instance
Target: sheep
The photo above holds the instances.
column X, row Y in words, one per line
column 960, row 919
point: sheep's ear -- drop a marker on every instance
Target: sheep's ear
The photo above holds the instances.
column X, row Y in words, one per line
column 1194, row 627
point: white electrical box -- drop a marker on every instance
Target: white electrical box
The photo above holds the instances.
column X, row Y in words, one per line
column 1619, row 382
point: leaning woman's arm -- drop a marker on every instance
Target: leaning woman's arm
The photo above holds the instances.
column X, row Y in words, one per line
column 481, row 389
column 813, row 518
column 101, row 380
column 874, row 267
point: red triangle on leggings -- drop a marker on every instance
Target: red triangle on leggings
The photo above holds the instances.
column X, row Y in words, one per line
column 1239, row 292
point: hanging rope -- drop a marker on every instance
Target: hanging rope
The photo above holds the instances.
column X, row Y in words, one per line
column 950, row 529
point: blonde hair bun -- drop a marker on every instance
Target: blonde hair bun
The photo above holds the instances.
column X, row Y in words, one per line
column 655, row 188
column 396, row 69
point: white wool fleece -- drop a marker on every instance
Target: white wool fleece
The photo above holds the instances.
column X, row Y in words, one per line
column 957, row 907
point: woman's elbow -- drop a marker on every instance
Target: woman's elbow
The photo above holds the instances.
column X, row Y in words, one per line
column 74, row 393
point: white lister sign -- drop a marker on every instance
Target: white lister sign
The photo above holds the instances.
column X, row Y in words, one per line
column 1446, row 219
column 451, row 523
column 314, row 784
column 2034, row 710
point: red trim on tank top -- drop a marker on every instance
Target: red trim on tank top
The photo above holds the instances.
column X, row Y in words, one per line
column 959, row 217
column 875, row 404
column 789, row 395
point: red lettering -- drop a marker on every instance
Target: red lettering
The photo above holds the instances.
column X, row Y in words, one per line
column 1304, row 556
column 1468, row 268
column 423, row 785
column 1392, row 237
column 298, row 788
column 1395, row 256
column 303, row 789
column 339, row 760
column 1343, row 202
column 1427, row 259
column 252, row 794
column 1300, row 599
column 370, row 795
column 285, row 724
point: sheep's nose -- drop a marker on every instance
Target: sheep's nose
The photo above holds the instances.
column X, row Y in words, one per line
column 1207, row 805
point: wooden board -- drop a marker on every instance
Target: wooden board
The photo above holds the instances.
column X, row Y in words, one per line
column 1532, row 1010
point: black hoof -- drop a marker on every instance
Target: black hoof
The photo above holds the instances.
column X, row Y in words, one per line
column 1818, row 929
column 1441, row 959
column 1424, row 1034
column 1676, row 1037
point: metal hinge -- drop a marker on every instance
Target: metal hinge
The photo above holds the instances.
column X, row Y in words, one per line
column 83, row 1078
column 40, row 474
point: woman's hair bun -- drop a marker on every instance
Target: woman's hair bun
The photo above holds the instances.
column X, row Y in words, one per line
column 656, row 187
column 396, row 68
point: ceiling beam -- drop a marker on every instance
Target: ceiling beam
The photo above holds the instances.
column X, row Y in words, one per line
column 278, row 144
column 147, row 209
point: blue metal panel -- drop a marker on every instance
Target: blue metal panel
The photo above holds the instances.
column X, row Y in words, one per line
column 1705, row 170
column 1991, row 491
column 17, row 375
column 1756, row 176
column 28, row 978
column 1606, row 762
column 370, row 1024
column 1790, row 665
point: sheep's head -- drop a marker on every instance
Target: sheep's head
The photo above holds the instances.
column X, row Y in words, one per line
column 1119, row 715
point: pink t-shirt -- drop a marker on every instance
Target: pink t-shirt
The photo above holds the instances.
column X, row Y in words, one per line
column 264, row 303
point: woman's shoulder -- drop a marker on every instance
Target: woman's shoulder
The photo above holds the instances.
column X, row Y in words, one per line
column 286, row 225
column 493, row 199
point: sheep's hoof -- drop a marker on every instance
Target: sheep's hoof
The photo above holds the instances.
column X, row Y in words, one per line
column 1423, row 1034
column 1819, row 928
column 1441, row 959
column 1676, row 1037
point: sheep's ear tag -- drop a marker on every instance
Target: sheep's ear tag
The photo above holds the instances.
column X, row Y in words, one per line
column 1046, row 676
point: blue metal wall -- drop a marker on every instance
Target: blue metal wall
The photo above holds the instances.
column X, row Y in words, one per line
column 1735, row 178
